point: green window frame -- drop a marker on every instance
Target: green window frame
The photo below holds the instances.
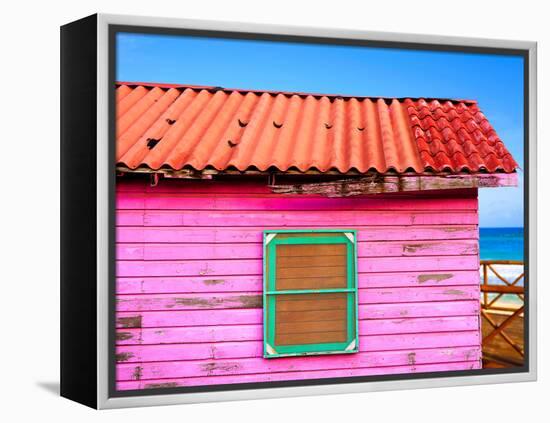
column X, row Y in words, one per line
column 272, row 239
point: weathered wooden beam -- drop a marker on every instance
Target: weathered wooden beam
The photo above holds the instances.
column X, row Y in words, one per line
column 499, row 329
column 487, row 262
column 372, row 183
column 499, row 308
column 502, row 289
column 378, row 184
column 506, row 361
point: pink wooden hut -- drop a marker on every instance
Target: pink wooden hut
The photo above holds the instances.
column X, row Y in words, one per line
column 267, row 236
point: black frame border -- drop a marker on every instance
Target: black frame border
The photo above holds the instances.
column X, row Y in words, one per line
column 113, row 29
column 78, row 211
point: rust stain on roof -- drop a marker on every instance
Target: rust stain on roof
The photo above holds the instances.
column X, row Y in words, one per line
column 176, row 127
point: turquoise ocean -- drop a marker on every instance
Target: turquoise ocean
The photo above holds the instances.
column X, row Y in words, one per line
column 503, row 244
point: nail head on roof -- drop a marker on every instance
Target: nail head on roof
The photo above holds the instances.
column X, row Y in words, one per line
column 277, row 125
column 328, row 125
column 242, row 124
column 231, row 143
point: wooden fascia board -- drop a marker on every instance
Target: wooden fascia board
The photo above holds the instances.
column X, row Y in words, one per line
column 373, row 183
column 379, row 184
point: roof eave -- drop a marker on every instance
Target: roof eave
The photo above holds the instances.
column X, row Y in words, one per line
column 377, row 182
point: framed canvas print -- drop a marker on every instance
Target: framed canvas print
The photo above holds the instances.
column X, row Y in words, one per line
column 255, row 211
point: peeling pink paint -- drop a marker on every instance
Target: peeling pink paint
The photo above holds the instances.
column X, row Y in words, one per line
column 189, row 283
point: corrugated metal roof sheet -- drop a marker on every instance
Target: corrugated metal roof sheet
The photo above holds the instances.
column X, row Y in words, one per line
column 176, row 127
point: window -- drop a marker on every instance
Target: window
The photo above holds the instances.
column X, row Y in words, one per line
column 310, row 292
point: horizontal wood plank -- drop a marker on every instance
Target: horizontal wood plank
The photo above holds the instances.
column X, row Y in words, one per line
column 148, row 302
column 251, row 316
column 179, row 201
column 242, row 350
column 291, row 218
column 200, row 334
column 191, row 251
column 423, row 309
column 126, row 268
column 375, row 184
column 254, row 283
column 228, row 234
column 450, row 351
column 193, row 334
column 420, row 294
column 298, row 375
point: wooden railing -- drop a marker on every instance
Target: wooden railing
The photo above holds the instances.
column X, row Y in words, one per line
column 502, row 322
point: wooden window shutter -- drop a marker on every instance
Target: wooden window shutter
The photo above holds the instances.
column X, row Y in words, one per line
column 310, row 292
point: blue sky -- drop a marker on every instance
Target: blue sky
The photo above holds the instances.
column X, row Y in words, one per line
column 495, row 81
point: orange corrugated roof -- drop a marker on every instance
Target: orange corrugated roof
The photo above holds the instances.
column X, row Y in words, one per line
column 176, row 127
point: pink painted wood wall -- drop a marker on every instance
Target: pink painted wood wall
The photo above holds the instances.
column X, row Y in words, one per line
column 189, row 283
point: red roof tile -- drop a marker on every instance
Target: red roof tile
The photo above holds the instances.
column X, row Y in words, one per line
column 165, row 126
